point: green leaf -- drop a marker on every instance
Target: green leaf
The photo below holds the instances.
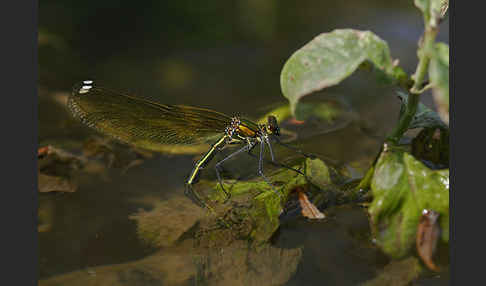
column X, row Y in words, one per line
column 424, row 117
column 318, row 173
column 262, row 205
column 439, row 79
column 402, row 189
column 433, row 10
column 281, row 112
column 326, row 111
column 331, row 57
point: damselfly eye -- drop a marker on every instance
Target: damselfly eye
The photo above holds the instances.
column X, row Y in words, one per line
column 273, row 125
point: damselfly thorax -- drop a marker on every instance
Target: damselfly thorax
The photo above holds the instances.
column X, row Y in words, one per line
column 242, row 129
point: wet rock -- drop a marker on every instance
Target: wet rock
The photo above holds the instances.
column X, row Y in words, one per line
column 160, row 269
column 236, row 264
column 397, row 273
column 167, row 221
column 239, row 264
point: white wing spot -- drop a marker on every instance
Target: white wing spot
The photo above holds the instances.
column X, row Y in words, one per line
column 88, row 82
column 85, row 89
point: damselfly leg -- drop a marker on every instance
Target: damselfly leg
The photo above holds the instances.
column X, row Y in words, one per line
column 260, row 165
column 218, row 167
column 269, row 148
column 193, row 177
column 296, row 150
column 274, row 161
column 194, row 196
column 278, row 164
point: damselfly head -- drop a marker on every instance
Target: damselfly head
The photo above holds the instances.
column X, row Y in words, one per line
column 272, row 125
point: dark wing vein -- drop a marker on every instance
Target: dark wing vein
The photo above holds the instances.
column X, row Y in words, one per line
column 144, row 123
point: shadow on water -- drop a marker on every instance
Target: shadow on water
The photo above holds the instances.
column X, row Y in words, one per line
column 337, row 251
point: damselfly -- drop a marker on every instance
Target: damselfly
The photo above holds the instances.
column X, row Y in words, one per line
column 155, row 126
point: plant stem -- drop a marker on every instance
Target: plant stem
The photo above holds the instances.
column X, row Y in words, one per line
column 416, row 90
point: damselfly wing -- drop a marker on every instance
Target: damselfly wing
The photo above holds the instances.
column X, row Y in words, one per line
column 144, row 123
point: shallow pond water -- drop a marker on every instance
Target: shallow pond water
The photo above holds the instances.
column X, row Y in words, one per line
column 228, row 59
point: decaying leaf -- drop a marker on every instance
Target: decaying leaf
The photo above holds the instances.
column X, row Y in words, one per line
column 50, row 150
column 309, row 210
column 54, row 169
column 49, row 156
column 42, row 151
column 428, row 232
column 47, row 183
column 114, row 154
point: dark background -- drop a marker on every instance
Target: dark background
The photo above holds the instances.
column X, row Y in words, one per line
column 223, row 55
column 210, row 53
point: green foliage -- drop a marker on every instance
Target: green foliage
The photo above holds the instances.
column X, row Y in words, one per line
column 263, row 204
column 433, row 10
column 318, row 173
column 330, row 58
column 424, row 117
column 327, row 112
column 402, row 188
